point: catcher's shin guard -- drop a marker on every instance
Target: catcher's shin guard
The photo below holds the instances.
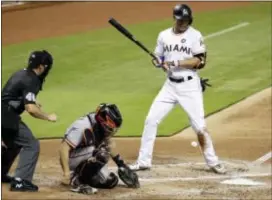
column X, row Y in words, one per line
column 86, row 170
column 99, row 182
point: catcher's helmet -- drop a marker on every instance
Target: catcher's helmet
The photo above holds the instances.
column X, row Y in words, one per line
column 109, row 117
column 38, row 58
column 183, row 12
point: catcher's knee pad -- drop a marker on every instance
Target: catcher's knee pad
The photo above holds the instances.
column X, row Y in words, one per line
column 112, row 181
column 86, row 170
column 102, row 156
column 98, row 181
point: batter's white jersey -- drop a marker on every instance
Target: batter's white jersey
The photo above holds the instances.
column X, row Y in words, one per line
column 187, row 93
column 173, row 47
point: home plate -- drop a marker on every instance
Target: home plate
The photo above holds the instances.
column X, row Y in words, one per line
column 241, row 181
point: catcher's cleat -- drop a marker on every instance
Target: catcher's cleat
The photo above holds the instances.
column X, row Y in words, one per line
column 219, row 169
column 84, row 189
column 74, row 180
column 21, row 185
column 137, row 167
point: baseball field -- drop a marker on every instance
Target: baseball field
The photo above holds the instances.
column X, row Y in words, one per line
column 93, row 63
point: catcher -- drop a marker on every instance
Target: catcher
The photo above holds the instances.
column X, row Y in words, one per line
column 86, row 150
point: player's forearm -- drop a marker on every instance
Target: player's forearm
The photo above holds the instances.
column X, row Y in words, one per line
column 36, row 112
column 118, row 160
column 113, row 154
column 64, row 158
column 189, row 63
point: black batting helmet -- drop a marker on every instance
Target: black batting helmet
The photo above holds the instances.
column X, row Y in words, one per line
column 183, row 12
column 109, row 116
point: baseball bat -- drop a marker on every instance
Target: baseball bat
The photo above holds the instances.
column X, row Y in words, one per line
column 125, row 32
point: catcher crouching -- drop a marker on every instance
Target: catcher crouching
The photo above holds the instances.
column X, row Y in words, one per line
column 85, row 152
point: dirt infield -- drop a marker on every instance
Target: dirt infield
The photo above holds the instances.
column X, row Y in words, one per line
column 179, row 171
column 241, row 133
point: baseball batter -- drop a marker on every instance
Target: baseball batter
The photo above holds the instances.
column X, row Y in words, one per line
column 181, row 52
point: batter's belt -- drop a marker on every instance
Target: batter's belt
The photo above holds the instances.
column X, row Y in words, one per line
column 180, row 80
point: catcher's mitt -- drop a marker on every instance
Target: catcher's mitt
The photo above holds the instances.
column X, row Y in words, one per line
column 129, row 177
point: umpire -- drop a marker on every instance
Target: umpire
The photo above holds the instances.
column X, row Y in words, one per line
column 19, row 94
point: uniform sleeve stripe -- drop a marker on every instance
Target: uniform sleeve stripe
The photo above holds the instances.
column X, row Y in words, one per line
column 84, row 136
column 70, row 143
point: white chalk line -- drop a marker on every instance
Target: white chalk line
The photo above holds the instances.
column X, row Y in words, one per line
column 11, row 4
column 214, row 177
column 262, row 159
column 145, row 181
column 258, row 161
column 171, row 165
column 218, row 33
column 227, row 30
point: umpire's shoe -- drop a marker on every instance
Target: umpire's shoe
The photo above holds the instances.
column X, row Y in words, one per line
column 21, row 185
column 6, row 179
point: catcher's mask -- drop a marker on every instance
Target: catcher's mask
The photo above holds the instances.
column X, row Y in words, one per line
column 109, row 117
column 43, row 58
column 182, row 14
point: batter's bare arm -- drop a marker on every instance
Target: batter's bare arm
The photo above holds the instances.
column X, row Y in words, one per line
column 190, row 63
column 198, row 62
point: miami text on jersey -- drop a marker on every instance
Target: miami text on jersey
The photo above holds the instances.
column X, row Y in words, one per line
column 178, row 48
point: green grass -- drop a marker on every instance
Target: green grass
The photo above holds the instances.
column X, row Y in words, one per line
column 103, row 66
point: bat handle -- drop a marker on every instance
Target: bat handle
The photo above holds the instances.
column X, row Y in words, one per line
column 153, row 56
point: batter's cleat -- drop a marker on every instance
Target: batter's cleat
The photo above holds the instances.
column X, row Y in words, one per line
column 84, row 189
column 21, row 185
column 137, row 167
column 6, row 179
column 219, row 169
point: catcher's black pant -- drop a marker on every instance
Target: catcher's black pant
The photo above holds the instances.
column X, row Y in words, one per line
column 92, row 175
column 95, row 174
column 20, row 142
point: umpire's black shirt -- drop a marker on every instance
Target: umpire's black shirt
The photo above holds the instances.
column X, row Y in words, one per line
column 21, row 89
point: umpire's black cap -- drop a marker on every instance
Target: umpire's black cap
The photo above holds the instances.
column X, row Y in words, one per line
column 37, row 58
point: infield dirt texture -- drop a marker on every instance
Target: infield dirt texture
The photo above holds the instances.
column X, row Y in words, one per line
column 241, row 133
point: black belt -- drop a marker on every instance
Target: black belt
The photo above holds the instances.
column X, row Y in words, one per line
column 181, row 79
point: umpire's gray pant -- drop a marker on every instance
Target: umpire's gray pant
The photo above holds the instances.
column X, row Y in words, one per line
column 28, row 156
